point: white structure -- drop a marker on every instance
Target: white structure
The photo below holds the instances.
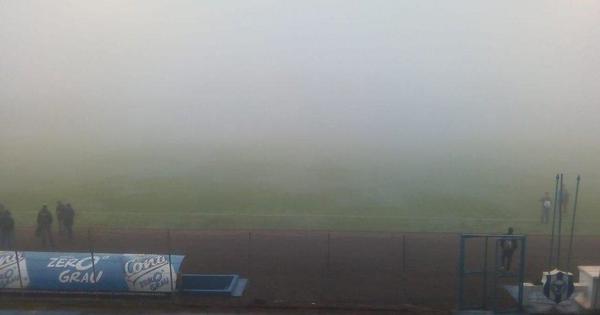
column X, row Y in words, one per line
column 586, row 295
column 589, row 276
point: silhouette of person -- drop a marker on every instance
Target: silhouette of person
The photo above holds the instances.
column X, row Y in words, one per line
column 7, row 230
column 546, row 207
column 68, row 220
column 44, row 227
column 508, row 247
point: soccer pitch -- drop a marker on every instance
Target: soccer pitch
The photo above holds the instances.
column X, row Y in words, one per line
column 459, row 194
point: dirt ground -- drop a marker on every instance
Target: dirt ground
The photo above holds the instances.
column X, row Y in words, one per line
column 336, row 270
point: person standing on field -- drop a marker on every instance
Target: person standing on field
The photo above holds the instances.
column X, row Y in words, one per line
column 44, row 227
column 546, row 206
column 508, row 247
column 3, row 225
column 7, row 230
column 68, row 219
column 60, row 210
column 2, row 212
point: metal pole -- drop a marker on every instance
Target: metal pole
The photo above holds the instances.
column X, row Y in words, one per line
column 249, row 254
column 573, row 224
column 396, row 269
column 522, row 271
column 496, row 273
column 553, row 224
column 485, row 273
column 559, row 228
column 328, row 249
column 170, row 263
column 461, row 273
column 18, row 268
column 404, row 275
column 404, row 254
column 92, row 254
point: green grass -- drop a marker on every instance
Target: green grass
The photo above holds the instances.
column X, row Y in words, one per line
column 458, row 194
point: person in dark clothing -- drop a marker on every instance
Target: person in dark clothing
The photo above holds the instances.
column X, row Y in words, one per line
column 3, row 212
column 508, row 247
column 44, row 227
column 7, row 230
column 68, row 220
column 60, row 210
column 546, row 207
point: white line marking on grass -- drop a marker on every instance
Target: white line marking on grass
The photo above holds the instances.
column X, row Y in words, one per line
column 340, row 216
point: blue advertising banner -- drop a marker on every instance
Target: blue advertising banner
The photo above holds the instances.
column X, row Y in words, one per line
column 82, row 272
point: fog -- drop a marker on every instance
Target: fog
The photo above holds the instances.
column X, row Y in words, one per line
column 374, row 92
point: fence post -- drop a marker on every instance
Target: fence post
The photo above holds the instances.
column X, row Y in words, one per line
column 461, row 273
column 170, row 263
column 397, row 267
column 328, row 250
column 485, row 273
column 19, row 268
column 91, row 248
column 249, row 254
column 404, row 254
column 404, row 274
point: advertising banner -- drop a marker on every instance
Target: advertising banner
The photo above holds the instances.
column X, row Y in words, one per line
column 56, row 271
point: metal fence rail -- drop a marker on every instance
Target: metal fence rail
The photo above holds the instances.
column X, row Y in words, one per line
column 304, row 267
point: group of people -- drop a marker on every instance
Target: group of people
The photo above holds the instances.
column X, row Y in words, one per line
column 546, row 201
column 65, row 216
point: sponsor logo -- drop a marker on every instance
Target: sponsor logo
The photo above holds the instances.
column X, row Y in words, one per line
column 558, row 285
column 9, row 270
column 8, row 259
column 77, row 270
column 148, row 273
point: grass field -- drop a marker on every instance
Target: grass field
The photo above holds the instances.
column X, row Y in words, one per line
column 468, row 193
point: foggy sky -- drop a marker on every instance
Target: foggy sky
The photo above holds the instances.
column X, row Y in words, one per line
column 112, row 75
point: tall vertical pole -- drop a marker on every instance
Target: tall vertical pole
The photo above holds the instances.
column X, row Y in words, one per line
column 559, row 228
column 573, row 224
column 553, row 224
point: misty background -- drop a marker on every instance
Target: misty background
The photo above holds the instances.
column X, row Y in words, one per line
column 298, row 113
